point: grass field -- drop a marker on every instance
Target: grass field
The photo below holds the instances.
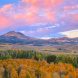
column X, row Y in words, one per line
column 61, row 49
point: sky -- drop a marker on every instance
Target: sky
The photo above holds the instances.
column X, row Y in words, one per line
column 40, row 18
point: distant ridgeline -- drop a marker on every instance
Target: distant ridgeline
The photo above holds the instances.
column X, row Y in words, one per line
column 13, row 37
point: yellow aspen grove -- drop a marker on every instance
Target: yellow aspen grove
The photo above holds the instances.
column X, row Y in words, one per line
column 28, row 68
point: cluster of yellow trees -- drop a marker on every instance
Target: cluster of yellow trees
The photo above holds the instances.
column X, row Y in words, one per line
column 29, row 68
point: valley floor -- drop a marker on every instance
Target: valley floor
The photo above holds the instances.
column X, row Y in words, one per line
column 56, row 49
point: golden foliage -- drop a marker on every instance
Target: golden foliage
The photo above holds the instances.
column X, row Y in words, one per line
column 28, row 68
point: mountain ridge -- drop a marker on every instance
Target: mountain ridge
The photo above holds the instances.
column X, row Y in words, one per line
column 14, row 37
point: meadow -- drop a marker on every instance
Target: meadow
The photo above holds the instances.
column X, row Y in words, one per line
column 38, row 62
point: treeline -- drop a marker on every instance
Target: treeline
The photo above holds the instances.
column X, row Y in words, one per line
column 18, row 54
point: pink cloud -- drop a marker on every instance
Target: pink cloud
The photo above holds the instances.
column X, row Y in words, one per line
column 44, row 3
column 5, row 19
column 11, row 15
column 50, row 16
column 71, row 7
column 28, row 18
column 6, row 8
column 4, row 22
column 52, row 3
column 30, row 1
column 75, row 17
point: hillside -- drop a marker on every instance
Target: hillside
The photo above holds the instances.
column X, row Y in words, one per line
column 13, row 37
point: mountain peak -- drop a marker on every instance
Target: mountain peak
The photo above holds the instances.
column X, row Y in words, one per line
column 14, row 34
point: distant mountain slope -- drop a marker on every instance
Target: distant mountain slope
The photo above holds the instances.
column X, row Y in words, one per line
column 64, row 39
column 14, row 34
column 13, row 37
